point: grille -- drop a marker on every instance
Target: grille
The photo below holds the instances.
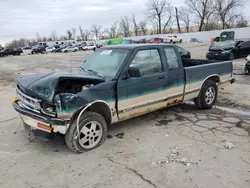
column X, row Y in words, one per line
column 28, row 102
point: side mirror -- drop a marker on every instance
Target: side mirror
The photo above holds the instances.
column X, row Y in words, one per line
column 132, row 73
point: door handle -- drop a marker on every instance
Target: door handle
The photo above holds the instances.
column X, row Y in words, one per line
column 162, row 77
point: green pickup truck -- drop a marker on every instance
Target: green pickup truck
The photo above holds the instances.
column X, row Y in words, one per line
column 114, row 84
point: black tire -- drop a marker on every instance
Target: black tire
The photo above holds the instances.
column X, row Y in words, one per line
column 65, row 51
column 171, row 41
column 70, row 137
column 231, row 56
column 180, row 41
column 203, row 101
column 94, row 49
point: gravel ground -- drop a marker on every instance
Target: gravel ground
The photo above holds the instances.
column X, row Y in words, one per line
column 176, row 147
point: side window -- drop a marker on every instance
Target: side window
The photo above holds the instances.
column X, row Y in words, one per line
column 148, row 62
column 172, row 59
column 245, row 45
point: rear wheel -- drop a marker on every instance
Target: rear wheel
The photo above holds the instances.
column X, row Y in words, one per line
column 92, row 133
column 207, row 95
column 65, row 51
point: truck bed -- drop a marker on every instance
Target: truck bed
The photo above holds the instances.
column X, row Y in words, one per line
column 197, row 71
column 194, row 62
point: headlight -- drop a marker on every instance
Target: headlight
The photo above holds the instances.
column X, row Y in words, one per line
column 225, row 52
column 49, row 109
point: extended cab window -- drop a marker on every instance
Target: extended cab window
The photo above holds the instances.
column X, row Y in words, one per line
column 245, row 45
column 172, row 59
column 148, row 62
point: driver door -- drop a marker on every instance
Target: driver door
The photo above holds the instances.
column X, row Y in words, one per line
column 146, row 90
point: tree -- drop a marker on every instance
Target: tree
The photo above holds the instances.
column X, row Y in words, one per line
column 44, row 39
column 157, row 10
column 53, row 35
column 241, row 22
column 69, row 35
column 177, row 20
column 96, row 30
column 201, row 8
column 84, row 34
column 73, row 33
column 185, row 17
column 135, row 26
column 113, row 30
column 38, row 37
column 125, row 26
column 227, row 10
column 143, row 27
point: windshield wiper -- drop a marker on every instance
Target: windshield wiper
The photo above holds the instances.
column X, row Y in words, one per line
column 95, row 72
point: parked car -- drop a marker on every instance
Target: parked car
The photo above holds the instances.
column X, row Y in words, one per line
column 172, row 39
column 69, row 49
column 183, row 52
column 115, row 84
column 59, row 49
column 247, row 65
column 13, row 52
column 229, row 50
column 50, row 49
column 99, row 45
column 155, row 40
column 27, row 47
column 89, row 47
column 38, row 50
column 141, row 41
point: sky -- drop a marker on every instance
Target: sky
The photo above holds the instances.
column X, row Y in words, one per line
column 24, row 18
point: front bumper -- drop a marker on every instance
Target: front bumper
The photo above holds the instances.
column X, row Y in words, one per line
column 217, row 56
column 41, row 122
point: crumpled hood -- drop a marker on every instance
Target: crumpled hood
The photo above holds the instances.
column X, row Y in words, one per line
column 43, row 86
column 217, row 48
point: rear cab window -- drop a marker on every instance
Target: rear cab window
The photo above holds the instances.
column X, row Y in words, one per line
column 171, row 58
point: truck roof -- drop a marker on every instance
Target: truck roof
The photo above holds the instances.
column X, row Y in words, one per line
column 133, row 46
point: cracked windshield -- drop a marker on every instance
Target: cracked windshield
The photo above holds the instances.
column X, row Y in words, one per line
column 125, row 94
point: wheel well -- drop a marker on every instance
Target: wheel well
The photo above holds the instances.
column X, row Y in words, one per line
column 216, row 79
column 98, row 107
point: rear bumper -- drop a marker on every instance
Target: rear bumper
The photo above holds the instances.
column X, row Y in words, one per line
column 33, row 119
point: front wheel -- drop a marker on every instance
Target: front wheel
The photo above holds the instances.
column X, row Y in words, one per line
column 208, row 95
column 92, row 133
column 231, row 56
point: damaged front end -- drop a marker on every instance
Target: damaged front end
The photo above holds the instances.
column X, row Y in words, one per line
column 47, row 102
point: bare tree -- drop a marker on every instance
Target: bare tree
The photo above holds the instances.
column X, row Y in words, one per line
column 53, row 35
column 156, row 11
column 69, row 35
column 73, row 33
column 135, row 26
column 143, row 27
column 84, row 34
column 177, row 20
column 241, row 22
column 113, row 30
column 227, row 10
column 185, row 17
column 96, row 30
column 167, row 28
column 125, row 26
column 201, row 9
column 38, row 37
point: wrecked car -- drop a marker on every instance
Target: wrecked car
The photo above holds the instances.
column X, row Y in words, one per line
column 114, row 84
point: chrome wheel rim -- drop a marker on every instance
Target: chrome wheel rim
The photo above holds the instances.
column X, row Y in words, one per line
column 90, row 134
column 210, row 95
